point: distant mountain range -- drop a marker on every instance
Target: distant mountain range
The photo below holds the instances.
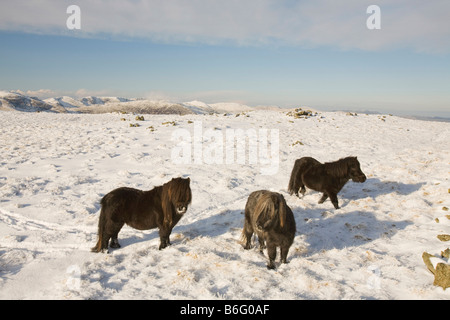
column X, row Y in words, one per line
column 19, row 102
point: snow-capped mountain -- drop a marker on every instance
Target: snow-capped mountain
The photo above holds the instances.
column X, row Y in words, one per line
column 91, row 100
column 19, row 102
column 91, row 104
column 64, row 102
column 200, row 107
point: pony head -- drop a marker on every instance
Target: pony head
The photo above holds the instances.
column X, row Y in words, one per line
column 176, row 198
column 270, row 211
column 354, row 170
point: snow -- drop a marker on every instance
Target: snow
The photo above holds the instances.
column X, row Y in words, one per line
column 91, row 104
column 55, row 168
column 199, row 107
column 4, row 93
column 230, row 107
column 64, row 101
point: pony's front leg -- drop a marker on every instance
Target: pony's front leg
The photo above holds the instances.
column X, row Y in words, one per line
column 272, row 253
column 164, row 235
column 262, row 244
column 334, row 200
column 284, row 252
column 114, row 242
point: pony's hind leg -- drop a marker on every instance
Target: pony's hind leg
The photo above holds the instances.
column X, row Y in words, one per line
column 247, row 232
column 247, row 238
column 303, row 190
column 333, row 198
column 114, row 243
column 113, row 232
column 284, row 252
column 324, row 198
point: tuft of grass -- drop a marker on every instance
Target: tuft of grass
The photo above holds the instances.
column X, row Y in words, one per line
column 298, row 142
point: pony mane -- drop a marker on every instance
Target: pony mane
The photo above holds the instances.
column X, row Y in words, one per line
column 266, row 206
column 179, row 190
column 339, row 168
column 176, row 190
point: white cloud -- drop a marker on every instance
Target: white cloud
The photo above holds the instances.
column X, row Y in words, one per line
column 415, row 24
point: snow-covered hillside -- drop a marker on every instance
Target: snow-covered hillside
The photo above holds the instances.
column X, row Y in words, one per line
column 16, row 101
column 55, row 168
column 10, row 101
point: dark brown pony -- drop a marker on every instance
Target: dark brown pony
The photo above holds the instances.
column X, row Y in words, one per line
column 328, row 178
column 268, row 215
column 162, row 207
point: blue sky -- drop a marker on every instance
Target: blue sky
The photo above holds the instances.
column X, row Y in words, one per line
column 285, row 53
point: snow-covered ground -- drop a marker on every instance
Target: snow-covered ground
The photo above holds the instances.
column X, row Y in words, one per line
column 55, row 168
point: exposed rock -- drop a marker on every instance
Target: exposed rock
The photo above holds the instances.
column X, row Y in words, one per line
column 442, row 276
column 441, row 273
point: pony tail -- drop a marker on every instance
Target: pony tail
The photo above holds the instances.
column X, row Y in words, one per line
column 293, row 180
column 282, row 210
column 291, row 186
column 101, row 228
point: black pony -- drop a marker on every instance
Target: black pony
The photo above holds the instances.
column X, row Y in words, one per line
column 328, row 178
column 268, row 215
column 162, row 207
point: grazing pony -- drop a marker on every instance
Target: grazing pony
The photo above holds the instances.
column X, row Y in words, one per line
column 328, row 178
column 268, row 215
column 162, row 207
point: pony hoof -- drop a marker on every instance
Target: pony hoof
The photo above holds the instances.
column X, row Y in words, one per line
column 162, row 246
